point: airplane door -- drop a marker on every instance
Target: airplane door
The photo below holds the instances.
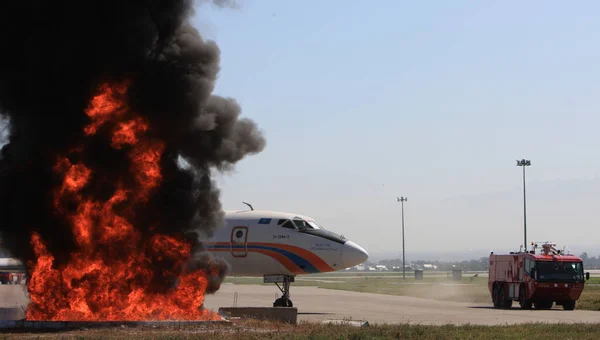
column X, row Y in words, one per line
column 239, row 241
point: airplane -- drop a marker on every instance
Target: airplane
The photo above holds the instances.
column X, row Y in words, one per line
column 278, row 246
column 10, row 270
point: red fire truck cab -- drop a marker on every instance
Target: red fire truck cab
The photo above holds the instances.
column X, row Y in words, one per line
column 536, row 279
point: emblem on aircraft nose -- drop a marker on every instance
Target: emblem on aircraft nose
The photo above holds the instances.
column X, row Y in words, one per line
column 239, row 234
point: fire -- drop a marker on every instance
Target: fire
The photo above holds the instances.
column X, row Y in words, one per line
column 114, row 273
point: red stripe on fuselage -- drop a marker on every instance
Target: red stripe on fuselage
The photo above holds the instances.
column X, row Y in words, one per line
column 287, row 263
column 309, row 256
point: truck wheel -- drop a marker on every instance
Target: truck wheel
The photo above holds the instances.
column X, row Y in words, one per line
column 523, row 302
column 543, row 304
column 504, row 302
column 495, row 296
column 569, row 305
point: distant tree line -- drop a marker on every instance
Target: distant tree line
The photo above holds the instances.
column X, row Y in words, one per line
column 474, row 265
column 470, row 265
column 590, row 262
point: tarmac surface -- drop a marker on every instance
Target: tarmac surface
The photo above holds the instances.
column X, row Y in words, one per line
column 316, row 304
column 13, row 296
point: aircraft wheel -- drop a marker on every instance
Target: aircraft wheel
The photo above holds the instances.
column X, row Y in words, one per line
column 281, row 302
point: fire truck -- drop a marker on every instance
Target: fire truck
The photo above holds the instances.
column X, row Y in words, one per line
column 536, row 278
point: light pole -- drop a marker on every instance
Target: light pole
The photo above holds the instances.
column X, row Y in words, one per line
column 523, row 163
column 402, row 200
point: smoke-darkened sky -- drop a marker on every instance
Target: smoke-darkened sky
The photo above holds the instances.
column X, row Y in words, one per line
column 56, row 55
column 4, row 129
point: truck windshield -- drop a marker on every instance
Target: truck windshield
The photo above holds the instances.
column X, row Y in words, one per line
column 559, row 271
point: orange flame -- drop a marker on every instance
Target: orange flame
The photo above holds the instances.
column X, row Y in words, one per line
column 111, row 274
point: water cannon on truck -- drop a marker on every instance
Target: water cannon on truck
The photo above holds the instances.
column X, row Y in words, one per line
column 536, row 278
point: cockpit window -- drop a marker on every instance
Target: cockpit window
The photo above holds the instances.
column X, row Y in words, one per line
column 299, row 224
column 315, row 225
column 305, row 225
column 286, row 224
column 313, row 228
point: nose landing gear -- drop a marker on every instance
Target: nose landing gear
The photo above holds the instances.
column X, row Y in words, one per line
column 286, row 280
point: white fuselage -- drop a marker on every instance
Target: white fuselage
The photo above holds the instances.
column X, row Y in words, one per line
column 258, row 243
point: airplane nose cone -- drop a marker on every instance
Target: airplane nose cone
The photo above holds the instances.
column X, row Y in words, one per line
column 353, row 254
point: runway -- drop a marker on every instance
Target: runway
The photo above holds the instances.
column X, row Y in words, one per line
column 316, row 304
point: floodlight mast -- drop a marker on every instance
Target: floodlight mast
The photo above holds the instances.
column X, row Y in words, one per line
column 402, row 200
column 523, row 163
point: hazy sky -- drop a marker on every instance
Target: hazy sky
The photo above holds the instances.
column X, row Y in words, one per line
column 364, row 101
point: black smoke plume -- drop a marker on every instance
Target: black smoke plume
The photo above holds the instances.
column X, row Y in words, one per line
column 54, row 56
column 4, row 130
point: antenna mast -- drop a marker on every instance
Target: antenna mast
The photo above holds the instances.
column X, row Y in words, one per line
column 250, row 205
